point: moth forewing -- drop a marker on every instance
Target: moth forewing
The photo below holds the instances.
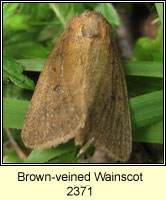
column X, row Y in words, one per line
column 81, row 92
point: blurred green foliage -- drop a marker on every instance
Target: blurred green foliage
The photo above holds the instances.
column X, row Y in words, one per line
column 30, row 30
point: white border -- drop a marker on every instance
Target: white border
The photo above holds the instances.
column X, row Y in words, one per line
column 78, row 163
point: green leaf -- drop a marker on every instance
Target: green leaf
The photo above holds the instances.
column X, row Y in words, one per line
column 9, row 9
column 13, row 71
column 150, row 134
column 90, row 6
column 146, row 109
column 17, row 36
column 68, row 157
column 16, row 22
column 159, row 7
column 79, row 8
column 143, row 68
column 60, row 10
column 109, row 12
column 142, row 49
column 12, row 19
column 26, row 50
column 35, row 65
column 37, row 11
column 14, row 112
column 48, row 34
column 147, row 49
column 5, row 77
column 140, row 85
column 44, row 155
column 14, row 92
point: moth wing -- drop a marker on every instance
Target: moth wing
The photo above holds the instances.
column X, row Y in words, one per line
column 55, row 113
column 110, row 119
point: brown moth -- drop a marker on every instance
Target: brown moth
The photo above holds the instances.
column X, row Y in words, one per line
column 81, row 92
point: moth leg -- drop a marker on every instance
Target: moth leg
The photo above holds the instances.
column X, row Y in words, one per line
column 84, row 148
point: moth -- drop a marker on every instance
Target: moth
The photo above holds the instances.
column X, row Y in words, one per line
column 81, row 92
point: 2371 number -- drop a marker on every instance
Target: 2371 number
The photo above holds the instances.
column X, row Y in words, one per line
column 79, row 190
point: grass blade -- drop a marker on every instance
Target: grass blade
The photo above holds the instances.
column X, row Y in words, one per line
column 145, row 110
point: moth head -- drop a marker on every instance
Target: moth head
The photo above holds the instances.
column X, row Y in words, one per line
column 90, row 25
